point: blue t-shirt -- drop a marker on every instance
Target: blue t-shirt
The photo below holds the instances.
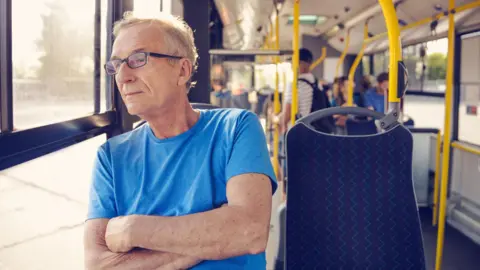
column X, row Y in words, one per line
column 374, row 99
column 137, row 173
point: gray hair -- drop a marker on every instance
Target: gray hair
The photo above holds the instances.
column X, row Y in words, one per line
column 178, row 36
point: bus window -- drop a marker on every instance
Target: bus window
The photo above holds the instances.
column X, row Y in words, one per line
column 469, row 118
column 380, row 63
column 422, row 109
column 53, row 61
column 366, row 65
column 427, row 64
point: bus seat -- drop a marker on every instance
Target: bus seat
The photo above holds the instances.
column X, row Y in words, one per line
column 199, row 106
column 409, row 122
column 350, row 200
column 203, row 106
column 361, row 127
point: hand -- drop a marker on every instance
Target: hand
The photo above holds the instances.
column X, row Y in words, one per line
column 341, row 121
column 276, row 119
column 118, row 235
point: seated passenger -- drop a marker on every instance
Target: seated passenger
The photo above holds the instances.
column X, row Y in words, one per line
column 340, row 92
column 221, row 94
column 359, row 96
column 375, row 97
column 188, row 190
column 340, row 97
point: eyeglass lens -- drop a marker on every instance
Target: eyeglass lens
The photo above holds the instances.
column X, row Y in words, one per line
column 133, row 61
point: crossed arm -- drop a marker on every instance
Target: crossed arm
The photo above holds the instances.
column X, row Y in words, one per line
column 99, row 256
column 156, row 242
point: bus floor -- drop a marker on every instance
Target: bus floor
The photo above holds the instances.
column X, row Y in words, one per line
column 459, row 251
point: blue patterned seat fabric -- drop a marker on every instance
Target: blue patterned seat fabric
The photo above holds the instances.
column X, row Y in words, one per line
column 351, row 202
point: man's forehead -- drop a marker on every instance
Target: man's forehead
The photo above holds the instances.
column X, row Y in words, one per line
column 144, row 35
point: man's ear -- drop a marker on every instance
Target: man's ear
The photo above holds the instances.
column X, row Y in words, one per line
column 186, row 69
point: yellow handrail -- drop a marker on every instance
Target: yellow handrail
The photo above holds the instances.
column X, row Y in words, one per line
column 276, row 97
column 296, row 56
column 265, row 46
column 351, row 74
column 446, row 135
column 425, row 21
column 467, row 6
column 465, row 148
column 438, row 154
column 344, row 53
column 391, row 21
column 274, row 34
column 320, row 59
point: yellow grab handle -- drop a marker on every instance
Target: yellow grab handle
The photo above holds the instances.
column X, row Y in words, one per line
column 320, row 59
column 351, row 74
column 446, row 136
column 436, row 190
column 391, row 21
column 342, row 56
column 296, row 56
column 276, row 98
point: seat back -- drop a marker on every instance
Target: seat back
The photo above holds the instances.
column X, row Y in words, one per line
column 361, row 127
column 351, row 202
column 203, row 106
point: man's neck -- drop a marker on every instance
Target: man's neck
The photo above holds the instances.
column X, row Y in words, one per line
column 380, row 91
column 173, row 121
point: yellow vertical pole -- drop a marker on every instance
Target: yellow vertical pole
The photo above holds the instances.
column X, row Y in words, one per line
column 446, row 135
column 344, row 53
column 272, row 44
column 437, row 178
column 270, row 35
column 276, row 97
column 351, row 74
column 296, row 56
column 393, row 29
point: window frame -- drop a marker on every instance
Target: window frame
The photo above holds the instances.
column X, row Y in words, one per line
column 21, row 146
column 457, row 78
column 6, row 95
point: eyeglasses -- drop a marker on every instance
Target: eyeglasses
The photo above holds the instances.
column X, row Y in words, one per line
column 133, row 61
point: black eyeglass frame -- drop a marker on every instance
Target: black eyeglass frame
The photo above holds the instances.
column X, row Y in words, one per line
column 147, row 54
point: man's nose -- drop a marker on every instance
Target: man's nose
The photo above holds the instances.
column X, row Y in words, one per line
column 125, row 74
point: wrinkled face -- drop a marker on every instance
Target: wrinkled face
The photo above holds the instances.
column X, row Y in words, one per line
column 384, row 86
column 159, row 84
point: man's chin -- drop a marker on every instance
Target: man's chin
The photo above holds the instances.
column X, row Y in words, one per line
column 136, row 110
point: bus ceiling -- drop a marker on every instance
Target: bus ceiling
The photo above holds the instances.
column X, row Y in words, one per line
column 247, row 23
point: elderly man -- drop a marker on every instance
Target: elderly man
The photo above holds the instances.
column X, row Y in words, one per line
column 191, row 188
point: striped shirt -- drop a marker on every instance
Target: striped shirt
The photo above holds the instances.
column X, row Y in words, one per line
column 305, row 94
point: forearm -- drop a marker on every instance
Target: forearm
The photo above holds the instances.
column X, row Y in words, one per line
column 287, row 114
column 218, row 234
column 139, row 259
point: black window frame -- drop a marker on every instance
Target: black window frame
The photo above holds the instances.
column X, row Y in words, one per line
column 17, row 147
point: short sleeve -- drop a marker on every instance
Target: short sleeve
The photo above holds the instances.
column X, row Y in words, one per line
column 368, row 100
column 249, row 152
column 333, row 103
column 101, row 202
